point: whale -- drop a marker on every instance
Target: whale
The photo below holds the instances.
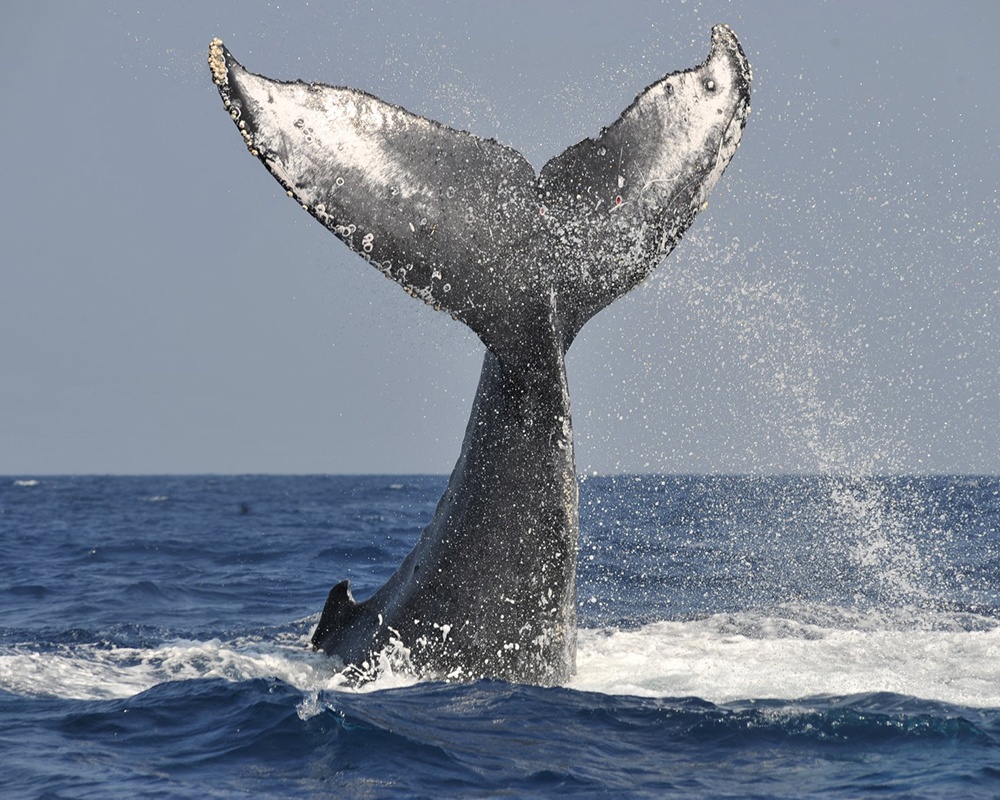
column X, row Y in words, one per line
column 524, row 258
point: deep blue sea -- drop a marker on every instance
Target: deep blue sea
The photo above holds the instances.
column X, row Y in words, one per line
column 740, row 637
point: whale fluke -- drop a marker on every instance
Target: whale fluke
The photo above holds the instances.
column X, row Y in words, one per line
column 524, row 259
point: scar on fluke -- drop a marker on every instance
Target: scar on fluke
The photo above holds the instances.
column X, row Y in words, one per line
column 524, row 258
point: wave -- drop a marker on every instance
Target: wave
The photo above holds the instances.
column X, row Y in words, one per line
column 726, row 658
column 952, row 658
column 493, row 739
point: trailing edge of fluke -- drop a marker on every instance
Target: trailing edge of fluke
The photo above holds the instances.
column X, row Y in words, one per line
column 524, row 259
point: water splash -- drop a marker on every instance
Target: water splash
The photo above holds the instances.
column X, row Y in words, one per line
column 799, row 651
column 807, row 374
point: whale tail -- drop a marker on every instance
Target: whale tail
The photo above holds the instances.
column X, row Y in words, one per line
column 466, row 225
column 524, row 259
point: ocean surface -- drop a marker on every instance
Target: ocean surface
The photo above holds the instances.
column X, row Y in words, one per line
column 740, row 637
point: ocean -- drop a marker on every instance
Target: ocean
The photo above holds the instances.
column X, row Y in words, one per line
column 741, row 637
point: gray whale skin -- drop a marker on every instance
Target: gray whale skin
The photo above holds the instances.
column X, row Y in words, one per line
column 524, row 259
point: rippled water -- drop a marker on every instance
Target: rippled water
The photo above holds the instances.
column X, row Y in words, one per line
column 741, row 637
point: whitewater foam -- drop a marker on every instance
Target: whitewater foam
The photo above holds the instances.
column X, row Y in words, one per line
column 722, row 658
column 730, row 657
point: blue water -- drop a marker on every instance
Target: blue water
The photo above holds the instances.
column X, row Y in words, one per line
column 740, row 637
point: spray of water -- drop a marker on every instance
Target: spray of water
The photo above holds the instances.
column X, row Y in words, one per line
column 876, row 542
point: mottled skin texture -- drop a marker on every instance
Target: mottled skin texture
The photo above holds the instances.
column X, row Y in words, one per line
column 523, row 259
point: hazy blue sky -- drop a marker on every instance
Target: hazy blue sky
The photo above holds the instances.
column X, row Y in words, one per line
column 165, row 308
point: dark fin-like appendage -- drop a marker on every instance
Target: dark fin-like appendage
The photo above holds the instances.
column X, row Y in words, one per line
column 339, row 611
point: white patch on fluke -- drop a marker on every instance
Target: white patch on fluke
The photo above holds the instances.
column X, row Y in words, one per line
column 337, row 132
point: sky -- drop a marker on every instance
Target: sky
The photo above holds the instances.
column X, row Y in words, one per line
column 164, row 308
